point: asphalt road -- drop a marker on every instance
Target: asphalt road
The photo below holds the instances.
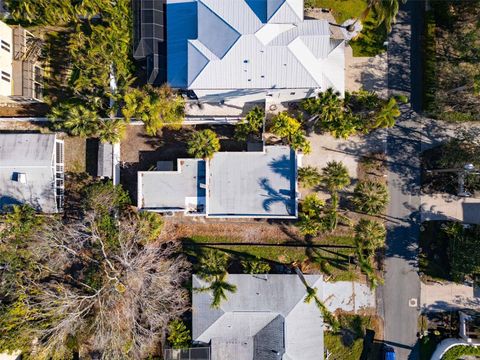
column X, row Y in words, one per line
column 400, row 295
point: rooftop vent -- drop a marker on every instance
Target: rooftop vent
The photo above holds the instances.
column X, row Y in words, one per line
column 20, row 177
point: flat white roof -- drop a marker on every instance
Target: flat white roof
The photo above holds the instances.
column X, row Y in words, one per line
column 29, row 157
column 253, row 184
column 232, row 184
column 172, row 190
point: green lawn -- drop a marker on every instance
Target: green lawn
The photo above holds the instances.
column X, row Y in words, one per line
column 370, row 42
column 339, row 350
column 343, row 9
column 333, row 261
column 348, row 343
column 460, row 351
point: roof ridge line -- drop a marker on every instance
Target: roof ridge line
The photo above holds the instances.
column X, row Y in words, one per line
column 303, row 297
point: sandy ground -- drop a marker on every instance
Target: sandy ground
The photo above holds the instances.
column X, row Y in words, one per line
column 448, row 296
column 326, row 148
column 243, row 230
column 369, row 73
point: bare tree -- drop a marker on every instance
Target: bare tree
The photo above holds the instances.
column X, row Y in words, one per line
column 114, row 300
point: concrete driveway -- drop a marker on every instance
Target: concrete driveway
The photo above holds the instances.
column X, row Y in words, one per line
column 348, row 296
column 449, row 296
column 449, row 207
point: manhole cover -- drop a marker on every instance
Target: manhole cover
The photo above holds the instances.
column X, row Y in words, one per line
column 412, row 302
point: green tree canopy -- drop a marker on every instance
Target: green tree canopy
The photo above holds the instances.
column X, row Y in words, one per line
column 111, row 130
column 369, row 236
column 463, row 250
column 76, row 119
column 255, row 266
column 178, row 334
column 203, row 144
column 252, row 124
column 310, row 215
column 290, row 130
column 156, row 107
column 387, row 115
column 212, row 268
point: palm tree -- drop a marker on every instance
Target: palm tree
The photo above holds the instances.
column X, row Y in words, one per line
column 327, row 106
column 311, row 211
column 332, row 216
column 345, row 126
column 335, row 176
column 387, row 115
column 78, row 120
column 156, row 107
column 311, row 294
column 213, row 269
column 112, row 130
column 367, row 268
column 370, row 197
column 252, row 124
column 299, row 142
column 203, row 144
column 369, row 236
column 386, row 11
column 219, row 287
column 211, row 264
column 284, row 126
column 255, row 266
column 309, row 176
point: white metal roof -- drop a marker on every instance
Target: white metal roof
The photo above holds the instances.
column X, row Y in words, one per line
column 236, row 50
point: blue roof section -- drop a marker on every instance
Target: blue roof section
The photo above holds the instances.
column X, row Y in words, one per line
column 214, row 32
column 272, row 7
column 181, row 25
column 259, row 7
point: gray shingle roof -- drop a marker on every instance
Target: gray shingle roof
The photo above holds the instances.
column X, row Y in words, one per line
column 266, row 313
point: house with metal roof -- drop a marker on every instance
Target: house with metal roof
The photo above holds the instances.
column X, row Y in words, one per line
column 265, row 319
column 31, row 171
column 253, row 184
column 250, row 50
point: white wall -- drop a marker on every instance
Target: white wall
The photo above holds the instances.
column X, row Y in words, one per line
column 6, row 56
column 239, row 96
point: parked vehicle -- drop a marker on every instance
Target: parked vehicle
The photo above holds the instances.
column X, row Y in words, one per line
column 388, row 353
